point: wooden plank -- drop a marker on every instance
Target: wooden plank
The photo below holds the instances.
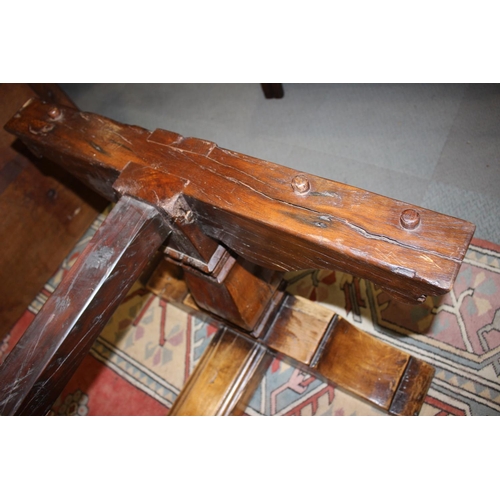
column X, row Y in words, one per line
column 42, row 362
column 273, row 216
column 51, row 92
column 314, row 339
column 241, row 298
column 225, row 377
column 273, row 90
column 362, row 364
column 167, row 281
column 299, row 328
column 329, row 347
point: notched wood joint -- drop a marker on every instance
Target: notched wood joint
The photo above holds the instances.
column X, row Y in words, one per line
column 180, row 212
column 191, row 144
column 216, row 269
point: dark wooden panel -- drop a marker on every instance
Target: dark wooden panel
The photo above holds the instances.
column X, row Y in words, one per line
column 329, row 347
column 271, row 215
column 314, row 339
column 51, row 92
column 44, row 359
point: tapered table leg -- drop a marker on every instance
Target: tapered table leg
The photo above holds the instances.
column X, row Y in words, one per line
column 45, row 358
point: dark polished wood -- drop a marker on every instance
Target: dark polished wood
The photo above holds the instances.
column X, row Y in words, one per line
column 64, row 330
column 317, row 340
column 273, row 90
column 412, row 388
column 44, row 212
column 271, row 215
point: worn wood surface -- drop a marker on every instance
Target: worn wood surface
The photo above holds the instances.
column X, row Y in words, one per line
column 299, row 328
column 241, row 297
column 313, row 339
column 362, row 364
column 225, row 377
column 167, row 280
column 60, row 336
column 412, row 388
column 271, row 215
column 44, row 211
column 213, row 202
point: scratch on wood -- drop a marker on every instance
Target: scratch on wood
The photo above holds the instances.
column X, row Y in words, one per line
column 329, row 194
column 121, row 145
column 403, row 271
column 100, row 257
column 98, row 148
column 121, row 136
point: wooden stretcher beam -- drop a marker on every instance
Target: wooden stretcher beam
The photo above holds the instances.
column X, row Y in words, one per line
column 315, row 340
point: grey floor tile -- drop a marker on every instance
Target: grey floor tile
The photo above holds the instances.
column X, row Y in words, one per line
column 233, row 139
column 471, row 156
column 287, row 120
column 159, row 105
column 259, row 147
column 399, row 127
column 404, row 187
column 481, row 209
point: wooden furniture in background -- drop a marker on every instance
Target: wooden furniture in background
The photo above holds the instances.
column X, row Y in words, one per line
column 273, row 90
column 234, row 224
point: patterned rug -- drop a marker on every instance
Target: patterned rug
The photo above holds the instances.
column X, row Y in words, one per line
column 145, row 354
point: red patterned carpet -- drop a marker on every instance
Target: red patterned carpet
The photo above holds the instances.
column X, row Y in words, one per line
column 142, row 359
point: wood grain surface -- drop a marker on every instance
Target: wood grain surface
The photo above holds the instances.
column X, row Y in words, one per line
column 42, row 362
column 224, row 378
column 271, row 215
column 311, row 338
